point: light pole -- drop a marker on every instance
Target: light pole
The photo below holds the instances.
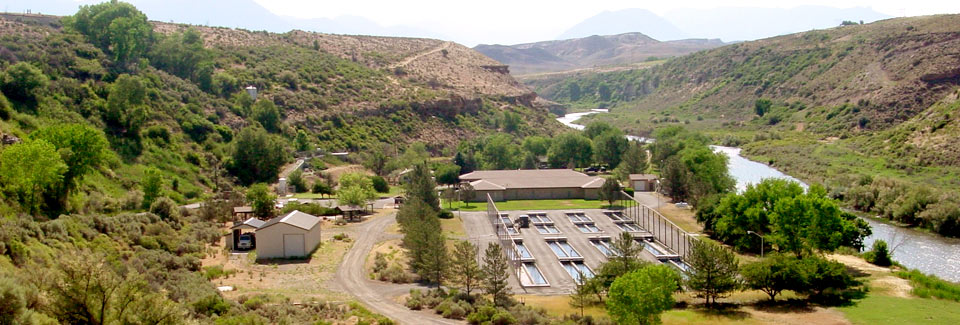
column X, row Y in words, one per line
column 761, row 241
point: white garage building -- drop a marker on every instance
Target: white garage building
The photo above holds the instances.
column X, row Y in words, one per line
column 295, row 234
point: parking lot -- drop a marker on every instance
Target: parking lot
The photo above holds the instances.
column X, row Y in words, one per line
column 556, row 246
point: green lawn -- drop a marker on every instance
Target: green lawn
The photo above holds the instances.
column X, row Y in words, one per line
column 876, row 309
column 569, row 204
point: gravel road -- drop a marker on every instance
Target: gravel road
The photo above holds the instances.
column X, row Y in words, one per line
column 352, row 278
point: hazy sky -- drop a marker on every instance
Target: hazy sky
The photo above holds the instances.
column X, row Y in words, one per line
column 514, row 21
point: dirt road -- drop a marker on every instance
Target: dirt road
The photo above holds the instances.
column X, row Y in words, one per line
column 352, row 278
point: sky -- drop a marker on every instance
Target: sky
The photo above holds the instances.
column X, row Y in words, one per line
column 475, row 22
column 518, row 21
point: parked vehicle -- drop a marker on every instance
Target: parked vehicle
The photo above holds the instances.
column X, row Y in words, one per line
column 246, row 242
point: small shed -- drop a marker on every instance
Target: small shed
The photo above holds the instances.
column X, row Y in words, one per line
column 249, row 225
column 242, row 213
column 643, row 182
column 293, row 235
column 352, row 212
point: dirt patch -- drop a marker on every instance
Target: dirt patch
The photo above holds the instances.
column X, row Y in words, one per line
column 295, row 279
column 814, row 315
column 684, row 218
column 882, row 280
column 336, row 172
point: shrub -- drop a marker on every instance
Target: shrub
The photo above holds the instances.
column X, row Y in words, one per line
column 445, row 214
column 380, row 184
column 340, row 236
column 481, row 315
column 211, row 305
column 395, row 274
column 379, row 262
column 880, row 254
column 13, row 301
column 455, row 312
column 503, row 318
column 166, row 209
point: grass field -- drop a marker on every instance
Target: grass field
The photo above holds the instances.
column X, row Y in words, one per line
column 877, row 309
column 532, row 205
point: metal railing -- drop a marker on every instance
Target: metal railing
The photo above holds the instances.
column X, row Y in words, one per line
column 506, row 239
column 665, row 232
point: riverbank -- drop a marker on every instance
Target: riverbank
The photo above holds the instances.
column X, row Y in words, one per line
column 926, row 252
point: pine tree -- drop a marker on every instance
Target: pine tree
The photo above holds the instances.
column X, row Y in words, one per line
column 465, row 267
column 420, row 186
column 435, row 263
column 713, row 271
column 495, row 275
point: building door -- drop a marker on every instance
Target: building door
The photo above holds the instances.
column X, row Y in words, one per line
column 294, row 245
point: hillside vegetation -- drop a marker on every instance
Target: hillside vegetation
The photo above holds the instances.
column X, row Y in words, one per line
column 111, row 122
column 858, row 104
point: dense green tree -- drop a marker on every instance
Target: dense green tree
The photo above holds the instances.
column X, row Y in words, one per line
column 467, row 193
column 610, row 190
column 570, row 150
column 115, row 27
column 807, row 222
column 22, row 82
column 420, row 186
column 774, row 274
column 530, row 161
column 466, row 161
column 376, row 160
column 183, row 55
column 708, row 171
column 82, row 148
column 500, row 152
column 465, row 267
column 596, row 128
column 262, row 200
column 511, row 121
column 447, row 174
column 322, row 188
column 495, row 275
column 639, row 297
column 536, row 145
column 880, row 254
column 609, row 147
column 152, row 186
column 419, row 224
column 380, row 184
column 302, row 141
column 126, row 110
column 435, row 265
column 267, row 113
column 296, row 180
column 257, row 156
column 633, row 161
column 750, row 211
column 762, row 106
column 713, row 271
column 823, row 276
column 27, row 170
column 355, row 189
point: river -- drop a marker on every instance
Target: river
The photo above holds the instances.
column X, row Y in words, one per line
column 914, row 249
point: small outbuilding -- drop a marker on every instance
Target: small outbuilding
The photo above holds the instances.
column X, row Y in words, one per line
column 643, row 182
column 242, row 212
column 249, row 225
column 293, row 235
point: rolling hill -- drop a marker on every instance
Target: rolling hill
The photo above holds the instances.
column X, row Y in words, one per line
column 591, row 51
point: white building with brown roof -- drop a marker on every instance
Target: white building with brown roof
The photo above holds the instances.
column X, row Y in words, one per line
column 533, row 184
column 643, row 182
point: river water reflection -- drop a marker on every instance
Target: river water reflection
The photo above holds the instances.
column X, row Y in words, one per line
column 917, row 250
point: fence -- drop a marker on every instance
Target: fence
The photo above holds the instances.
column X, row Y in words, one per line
column 506, row 239
column 663, row 230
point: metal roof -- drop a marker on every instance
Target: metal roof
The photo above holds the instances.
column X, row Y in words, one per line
column 642, row 177
column 530, row 178
column 249, row 223
column 295, row 218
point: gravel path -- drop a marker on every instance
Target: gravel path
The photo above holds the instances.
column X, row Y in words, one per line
column 352, row 277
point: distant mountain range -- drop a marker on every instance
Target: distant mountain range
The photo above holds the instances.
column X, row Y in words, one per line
column 725, row 23
column 622, row 49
